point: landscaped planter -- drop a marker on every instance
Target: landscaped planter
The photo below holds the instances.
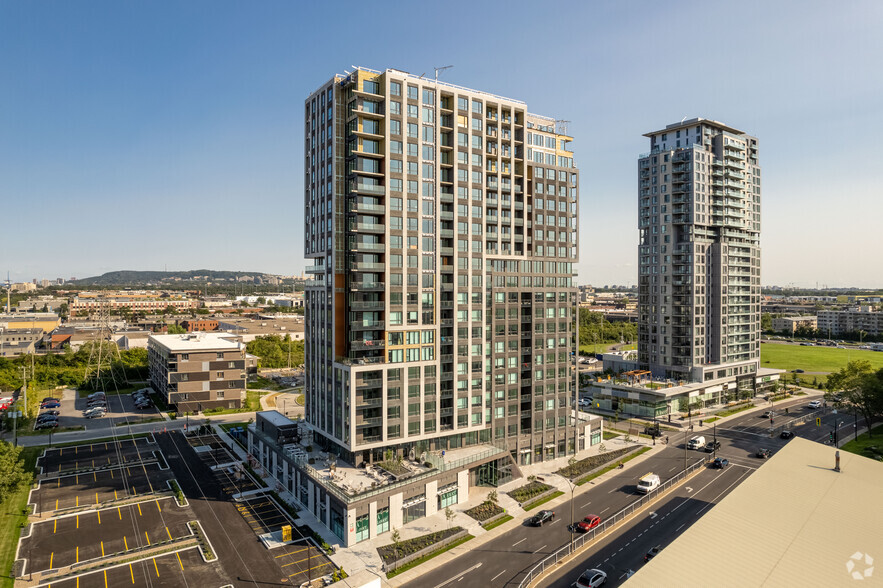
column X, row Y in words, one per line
column 411, row 549
column 529, row 491
column 485, row 511
column 588, row 464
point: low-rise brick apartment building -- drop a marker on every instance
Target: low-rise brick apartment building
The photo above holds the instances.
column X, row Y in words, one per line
column 198, row 371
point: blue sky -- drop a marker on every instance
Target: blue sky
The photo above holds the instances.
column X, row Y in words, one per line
column 144, row 135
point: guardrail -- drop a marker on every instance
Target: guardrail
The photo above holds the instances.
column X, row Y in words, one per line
column 609, row 524
column 799, row 420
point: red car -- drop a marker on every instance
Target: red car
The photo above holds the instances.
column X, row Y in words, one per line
column 588, row 523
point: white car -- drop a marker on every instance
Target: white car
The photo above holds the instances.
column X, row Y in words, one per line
column 591, row 579
column 94, row 413
column 815, row 404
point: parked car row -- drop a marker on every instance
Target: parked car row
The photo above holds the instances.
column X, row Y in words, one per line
column 142, row 398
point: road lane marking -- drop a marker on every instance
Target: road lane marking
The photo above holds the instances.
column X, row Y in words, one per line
column 602, row 512
column 458, row 576
column 498, row 575
column 514, row 544
column 540, row 549
column 674, row 468
column 586, row 504
column 679, row 528
column 553, row 522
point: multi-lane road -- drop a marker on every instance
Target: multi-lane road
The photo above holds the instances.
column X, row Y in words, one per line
column 504, row 560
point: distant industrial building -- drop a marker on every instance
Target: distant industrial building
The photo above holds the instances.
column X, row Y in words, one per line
column 198, row 371
column 15, row 342
column 86, row 303
column 46, row 321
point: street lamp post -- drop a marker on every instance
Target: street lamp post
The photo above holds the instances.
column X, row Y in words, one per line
column 685, row 452
column 572, row 493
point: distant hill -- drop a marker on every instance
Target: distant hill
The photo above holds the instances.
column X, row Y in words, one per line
column 129, row 277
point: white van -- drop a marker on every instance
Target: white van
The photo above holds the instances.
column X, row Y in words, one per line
column 696, row 442
column 648, row 483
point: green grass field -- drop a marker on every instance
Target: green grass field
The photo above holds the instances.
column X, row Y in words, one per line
column 12, row 517
column 604, row 347
column 861, row 445
column 814, row 359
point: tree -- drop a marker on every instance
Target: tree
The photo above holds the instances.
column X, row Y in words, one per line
column 63, row 310
column 862, row 390
column 492, row 497
column 396, row 544
column 449, row 515
column 766, row 322
column 12, row 473
column 176, row 330
column 170, row 310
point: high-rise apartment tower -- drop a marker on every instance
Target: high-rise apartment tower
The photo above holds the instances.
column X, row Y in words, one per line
column 442, row 225
column 699, row 253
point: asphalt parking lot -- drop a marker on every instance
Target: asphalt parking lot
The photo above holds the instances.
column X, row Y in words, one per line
column 182, row 568
column 78, row 538
column 96, row 487
column 94, row 455
column 300, row 560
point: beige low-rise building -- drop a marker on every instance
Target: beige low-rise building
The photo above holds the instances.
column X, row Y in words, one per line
column 198, row 371
column 790, row 324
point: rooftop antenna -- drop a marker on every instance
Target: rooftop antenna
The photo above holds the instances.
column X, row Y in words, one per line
column 683, row 119
column 438, row 69
column 561, row 126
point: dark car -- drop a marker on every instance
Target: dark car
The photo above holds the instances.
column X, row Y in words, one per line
column 46, row 425
column 49, row 413
column 49, row 399
column 652, row 553
column 786, row 434
column 712, row 446
column 143, row 405
column 588, row 523
column 55, row 404
column 720, row 463
column 762, row 453
column 544, row 516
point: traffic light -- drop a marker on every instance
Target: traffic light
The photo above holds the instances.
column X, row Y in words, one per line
column 831, row 437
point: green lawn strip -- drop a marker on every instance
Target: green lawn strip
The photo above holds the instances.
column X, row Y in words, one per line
column 814, row 359
column 498, row 522
column 608, row 435
column 732, row 411
column 252, row 404
column 110, row 391
column 606, row 469
column 861, row 445
column 711, row 420
column 428, row 556
column 542, row 500
column 262, row 383
column 12, row 518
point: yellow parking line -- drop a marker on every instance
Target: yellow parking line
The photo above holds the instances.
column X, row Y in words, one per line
column 111, row 473
column 158, row 506
column 155, row 568
column 59, row 483
column 312, row 568
column 105, row 578
column 179, row 561
column 96, row 498
column 139, row 510
column 51, row 557
column 99, row 516
column 119, row 512
column 108, row 461
column 78, row 521
column 105, row 445
column 131, row 573
column 102, row 549
column 125, row 543
column 169, row 532
column 77, row 479
column 78, row 500
column 93, row 465
column 291, row 553
column 146, row 537
column 56, row 504
column 54, row 526
column 78, row 554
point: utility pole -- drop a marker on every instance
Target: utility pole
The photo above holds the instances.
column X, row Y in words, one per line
column 685, row 452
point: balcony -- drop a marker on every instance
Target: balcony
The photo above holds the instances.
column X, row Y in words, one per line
column 376, row 228
column 363, row 247
column 369, row 421
column 315, row 269
column 362, row 286
column 366, row 207
column 375, row 305
column 367, row 266
column 367, row 189
column 366, row 325
column 367, row 344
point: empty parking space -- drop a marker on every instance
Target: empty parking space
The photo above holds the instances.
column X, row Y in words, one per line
column 302, row 561
column 214, row 457
column 96, row 455
column 97, row 487
column 234, row 480
column 263, row 515
column 182, row 568
column 78, row 538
